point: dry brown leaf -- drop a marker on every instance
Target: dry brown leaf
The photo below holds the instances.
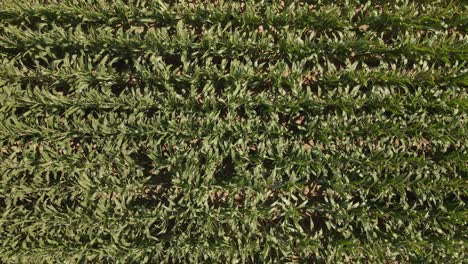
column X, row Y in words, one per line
column 309, row 145
column 299, row 120
column 311, row 78
column 363, row 27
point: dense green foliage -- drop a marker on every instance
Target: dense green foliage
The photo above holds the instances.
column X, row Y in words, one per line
column 216, row 131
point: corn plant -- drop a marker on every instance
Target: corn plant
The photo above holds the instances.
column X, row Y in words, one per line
column 150, row 131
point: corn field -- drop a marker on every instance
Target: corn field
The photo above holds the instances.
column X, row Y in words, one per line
column 150, row 131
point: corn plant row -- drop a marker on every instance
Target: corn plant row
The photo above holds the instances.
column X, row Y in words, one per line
column 150, row 131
